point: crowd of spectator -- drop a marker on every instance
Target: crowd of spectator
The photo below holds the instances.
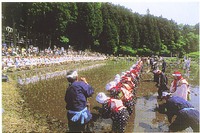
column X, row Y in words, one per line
column 20, row 59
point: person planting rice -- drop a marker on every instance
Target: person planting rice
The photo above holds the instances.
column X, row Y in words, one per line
column 122, row 94
column 155, row 66
column 114, row 108
column 126, row 79
column 187, row 116
column 76, row 99
column 134, row 78
column 135, row 72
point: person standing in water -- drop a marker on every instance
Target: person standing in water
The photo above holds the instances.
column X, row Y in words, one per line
column 76, row 99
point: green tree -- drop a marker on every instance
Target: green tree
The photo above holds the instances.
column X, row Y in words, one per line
column 12, row 13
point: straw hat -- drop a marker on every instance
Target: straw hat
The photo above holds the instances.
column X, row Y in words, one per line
column 101, row 97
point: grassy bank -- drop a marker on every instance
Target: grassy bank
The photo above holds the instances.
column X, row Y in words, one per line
column 17, row 118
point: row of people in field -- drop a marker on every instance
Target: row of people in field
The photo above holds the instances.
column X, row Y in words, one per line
column 33, row 61
column 119, row 106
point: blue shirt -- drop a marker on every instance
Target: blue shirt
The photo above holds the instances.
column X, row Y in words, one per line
column 76, row 95
column 174, row 105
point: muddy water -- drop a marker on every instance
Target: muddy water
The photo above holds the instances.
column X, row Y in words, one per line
column 47, row 97
column 146, row 118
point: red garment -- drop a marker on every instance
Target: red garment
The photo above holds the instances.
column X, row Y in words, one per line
column 178, row 78
column 117, row 104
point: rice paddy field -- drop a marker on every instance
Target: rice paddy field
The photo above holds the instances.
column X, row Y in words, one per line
column 40, row 106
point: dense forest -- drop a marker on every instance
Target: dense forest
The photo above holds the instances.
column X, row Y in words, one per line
column 98, row 26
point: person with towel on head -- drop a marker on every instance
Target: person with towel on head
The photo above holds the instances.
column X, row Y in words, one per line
column 155, row 65
column 114, row 108
column 134, row 76
column 180, row 87
column 186, row 114
column 76, row 99
column 135, row 72
column 127, row 83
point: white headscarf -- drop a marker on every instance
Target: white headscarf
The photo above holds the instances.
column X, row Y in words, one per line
column 101, row 97
column 110, row 85
column 74, row 74
column 117, row 78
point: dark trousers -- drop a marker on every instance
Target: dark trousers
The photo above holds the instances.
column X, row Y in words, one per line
column 161, row 89
column 163, row 69
column 156, row 78
column 185, row 119
column 77, row 126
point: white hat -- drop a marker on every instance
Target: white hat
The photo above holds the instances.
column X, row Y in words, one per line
column 133, row 66
column 110, row 85
column 123, row 74
column 101, row 97
column 74, row 74
column 117, row 78
column 127, row 72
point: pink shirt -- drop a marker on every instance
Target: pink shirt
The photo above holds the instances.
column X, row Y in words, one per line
column 181, row 91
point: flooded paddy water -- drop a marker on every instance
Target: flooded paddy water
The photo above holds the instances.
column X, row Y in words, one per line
column 47, row 97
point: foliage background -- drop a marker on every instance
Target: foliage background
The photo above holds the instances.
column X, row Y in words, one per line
column 99, row 26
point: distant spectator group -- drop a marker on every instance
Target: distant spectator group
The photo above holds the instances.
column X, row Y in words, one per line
column 48, row 58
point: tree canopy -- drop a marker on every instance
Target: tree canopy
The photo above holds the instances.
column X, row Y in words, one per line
column 99, row 26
